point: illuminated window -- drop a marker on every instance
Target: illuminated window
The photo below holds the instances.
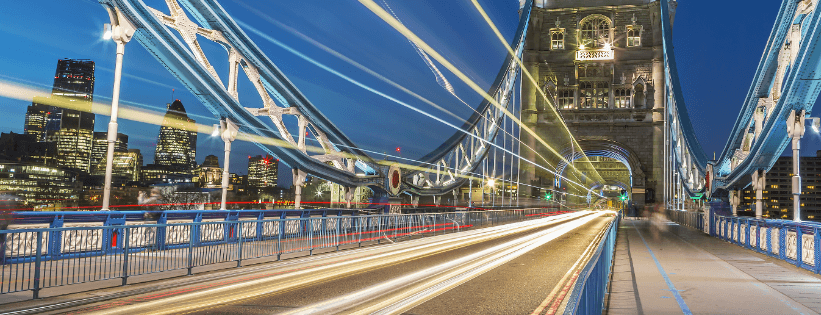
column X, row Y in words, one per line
column 594, row 94
column 810, row 187
column 565, row 98
column 622, row 98
column 634, row 35
column 594, row 31
column 557, row 39
column 773, row 186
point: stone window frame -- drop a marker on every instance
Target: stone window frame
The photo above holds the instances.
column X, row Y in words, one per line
column 566, row 98
column 599, row 94
column 595, row 30
column 635, row 39
column 622, row 97
column 560, row 43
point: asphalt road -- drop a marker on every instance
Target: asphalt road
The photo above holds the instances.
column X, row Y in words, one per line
column 508, row 269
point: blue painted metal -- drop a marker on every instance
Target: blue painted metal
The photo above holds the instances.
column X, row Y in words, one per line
column 800, row 90
column 177, row 58
column 587, row 295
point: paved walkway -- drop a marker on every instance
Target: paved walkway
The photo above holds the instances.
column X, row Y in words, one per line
column 664, row 268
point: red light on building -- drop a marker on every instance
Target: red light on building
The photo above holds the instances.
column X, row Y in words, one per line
column 397, row 149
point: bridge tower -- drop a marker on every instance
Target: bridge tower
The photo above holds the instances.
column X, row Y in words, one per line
column 600, row 63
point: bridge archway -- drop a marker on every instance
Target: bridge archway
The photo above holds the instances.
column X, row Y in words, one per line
column 608, row 153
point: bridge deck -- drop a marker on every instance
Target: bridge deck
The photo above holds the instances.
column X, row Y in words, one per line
column 664, row 268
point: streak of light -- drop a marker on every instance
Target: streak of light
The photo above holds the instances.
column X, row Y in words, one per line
column 16, row 91
column 533, row 81
column 381, row 77
column 406, row 105
column 279, row 282
column 439, row 278
column 384, row 15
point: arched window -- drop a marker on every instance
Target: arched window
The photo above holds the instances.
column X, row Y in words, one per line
column 557, row 39
column 594, row 31
column 622, row 98
column 633, row 36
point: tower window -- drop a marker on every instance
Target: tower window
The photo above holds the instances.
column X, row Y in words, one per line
column 594, row 31
column 557, row 39
column 633, row 35
column 565, row 99
column 594, row 94
column 622, row 98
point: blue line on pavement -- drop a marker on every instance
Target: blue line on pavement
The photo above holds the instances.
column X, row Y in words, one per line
column 681, row 304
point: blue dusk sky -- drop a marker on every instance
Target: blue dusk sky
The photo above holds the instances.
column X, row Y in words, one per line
column 718, row 45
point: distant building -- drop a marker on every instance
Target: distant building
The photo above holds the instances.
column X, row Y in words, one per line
column 209, row 174
column 26, row 148
column 177, row 141
column 777, row 194
column 126, row 167
column 70, row 122
column 42, row 187
column 238, row 183
column 153, row 174
column 36, row 118
column 262, row 171
column 99, row 148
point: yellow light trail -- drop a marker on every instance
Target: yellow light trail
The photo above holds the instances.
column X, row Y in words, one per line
column 16, row 91
column 377, row 75
column 385, row 16
column 532, row 81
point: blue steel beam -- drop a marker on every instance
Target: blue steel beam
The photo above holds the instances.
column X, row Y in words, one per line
column 800, row 88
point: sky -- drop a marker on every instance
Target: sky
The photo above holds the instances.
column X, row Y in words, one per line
column 718, row 44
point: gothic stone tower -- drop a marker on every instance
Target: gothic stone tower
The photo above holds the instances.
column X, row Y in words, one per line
column 601, row 63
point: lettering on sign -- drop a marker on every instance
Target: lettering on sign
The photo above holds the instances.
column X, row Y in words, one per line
column 594, row 55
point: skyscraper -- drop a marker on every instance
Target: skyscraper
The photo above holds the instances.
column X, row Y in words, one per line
column 177, row 141
column 69, row 124
column 36, row 118
column 262, row 171
column 99, row 148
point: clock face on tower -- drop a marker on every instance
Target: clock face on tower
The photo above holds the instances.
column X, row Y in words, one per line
column 394, row 179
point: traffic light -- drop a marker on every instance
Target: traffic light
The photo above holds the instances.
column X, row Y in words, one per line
column 623, row 195
column 547, row 196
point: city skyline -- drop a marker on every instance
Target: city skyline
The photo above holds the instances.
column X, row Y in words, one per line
column 147, row 85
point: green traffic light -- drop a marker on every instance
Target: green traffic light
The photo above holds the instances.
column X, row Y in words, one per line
column 547, row 196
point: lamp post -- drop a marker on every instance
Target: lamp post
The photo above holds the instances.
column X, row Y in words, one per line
column 120, row 30
column 228, row 132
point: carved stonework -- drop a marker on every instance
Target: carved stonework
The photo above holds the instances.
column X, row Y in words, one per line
column 808, row 249
column 774, row 237
column 792, row 245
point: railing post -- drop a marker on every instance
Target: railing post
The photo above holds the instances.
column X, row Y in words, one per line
column 239, row 244
column 816, row 240
column 799, row 246
column 281, row 229
column 191, row 249
column 37, row 262
column 310, row 237
column 359, row 231
column 338, row 230
column 125, row 254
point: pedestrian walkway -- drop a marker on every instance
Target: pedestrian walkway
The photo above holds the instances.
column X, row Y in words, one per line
column 661, row 267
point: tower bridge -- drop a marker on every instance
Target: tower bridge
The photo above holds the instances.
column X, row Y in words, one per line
column 587, row 103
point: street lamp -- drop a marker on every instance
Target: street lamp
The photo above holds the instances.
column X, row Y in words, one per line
column 120, row 30
column 228, row 130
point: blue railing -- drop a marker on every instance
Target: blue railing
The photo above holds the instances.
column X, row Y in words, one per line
column 587, row 296
column 120, row 245
column 795, row 242
column 687, row 218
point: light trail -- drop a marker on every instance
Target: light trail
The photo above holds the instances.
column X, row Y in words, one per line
column 381, row 77
column 16, row 91
column 384, row 15
column 406, row 105
column 378, row 257
column 532, row 81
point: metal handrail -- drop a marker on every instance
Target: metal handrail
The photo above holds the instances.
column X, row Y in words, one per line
column 37, row 258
